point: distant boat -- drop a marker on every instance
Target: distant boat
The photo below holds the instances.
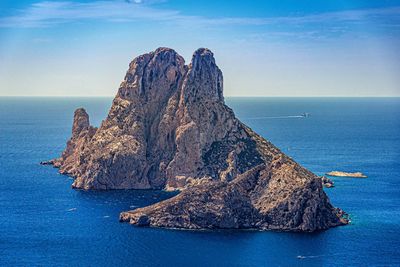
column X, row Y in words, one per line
column 305, row 115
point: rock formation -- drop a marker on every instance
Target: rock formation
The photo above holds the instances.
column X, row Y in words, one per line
column 347, row 174
column 169, row 128
column 326, row 182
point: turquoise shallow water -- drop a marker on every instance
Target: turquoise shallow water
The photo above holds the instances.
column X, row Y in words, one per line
column 44, row 222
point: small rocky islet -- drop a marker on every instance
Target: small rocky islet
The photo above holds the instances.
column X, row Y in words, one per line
column 169, row 128
column 326, row 182
column 346, row 174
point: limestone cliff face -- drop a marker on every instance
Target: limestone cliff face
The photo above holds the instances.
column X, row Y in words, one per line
column 169, row 128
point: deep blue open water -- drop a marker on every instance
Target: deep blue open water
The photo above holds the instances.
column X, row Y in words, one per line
column 44, row 222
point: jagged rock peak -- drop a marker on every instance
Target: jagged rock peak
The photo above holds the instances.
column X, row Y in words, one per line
column 156, row 75
column 81, row 121
column 163, row 49
column 204, row 78
column 203, row 54
column 152, row 73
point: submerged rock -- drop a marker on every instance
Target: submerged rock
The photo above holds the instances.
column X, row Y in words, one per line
column 47, row 162
column 169, row 128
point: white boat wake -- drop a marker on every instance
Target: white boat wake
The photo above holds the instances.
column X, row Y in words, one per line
column 301, row 257
column 309, row 257
column 276, row 117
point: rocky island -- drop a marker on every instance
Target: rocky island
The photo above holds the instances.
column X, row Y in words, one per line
column 169, row 128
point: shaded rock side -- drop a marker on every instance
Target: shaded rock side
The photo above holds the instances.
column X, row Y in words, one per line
column 169, row 128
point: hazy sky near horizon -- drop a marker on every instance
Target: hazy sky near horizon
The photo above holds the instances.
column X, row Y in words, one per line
column 264, row 48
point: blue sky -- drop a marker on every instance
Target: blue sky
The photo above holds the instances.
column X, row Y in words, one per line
column 264, row 48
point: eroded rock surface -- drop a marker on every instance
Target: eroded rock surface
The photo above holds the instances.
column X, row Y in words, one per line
column 169, row 128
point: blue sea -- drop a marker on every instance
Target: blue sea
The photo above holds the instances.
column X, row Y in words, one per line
column 45, row 222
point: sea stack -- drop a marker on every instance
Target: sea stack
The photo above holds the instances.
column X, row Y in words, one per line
column 169, row 128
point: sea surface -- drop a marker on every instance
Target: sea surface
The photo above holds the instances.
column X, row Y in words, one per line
column 45, row 222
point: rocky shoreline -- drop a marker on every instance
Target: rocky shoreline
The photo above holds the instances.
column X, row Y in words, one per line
column 169, row 128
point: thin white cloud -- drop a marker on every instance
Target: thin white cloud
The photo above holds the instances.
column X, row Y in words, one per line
column 52, row 13
column 383, row 14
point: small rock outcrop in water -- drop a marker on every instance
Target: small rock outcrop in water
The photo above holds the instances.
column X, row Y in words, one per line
column 169, row 128
column 326, row 182
column 347, row 174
